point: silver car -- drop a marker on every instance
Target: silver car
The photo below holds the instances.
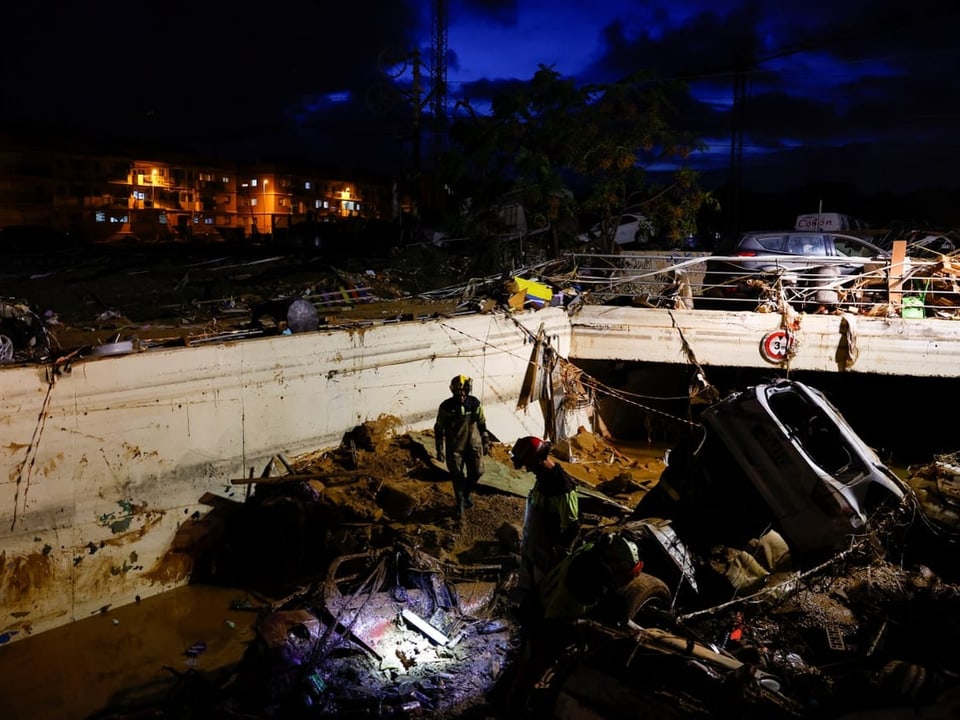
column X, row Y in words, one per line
column 802, row 250
column 803, row 259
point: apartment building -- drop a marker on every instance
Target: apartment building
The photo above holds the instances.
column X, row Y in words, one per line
column 109, row 195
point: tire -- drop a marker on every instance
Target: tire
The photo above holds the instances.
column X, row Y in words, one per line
column 6, row 347
column 11, row 341
column 645, row 592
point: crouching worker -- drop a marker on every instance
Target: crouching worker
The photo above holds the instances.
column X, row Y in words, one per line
column 586, row 585
column 461, row 439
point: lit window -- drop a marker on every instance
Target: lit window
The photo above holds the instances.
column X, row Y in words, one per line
column 317, row 204
column 306, row 185
column 101, row 216
column 253, row 183
column 225, row 179
column 253, row 201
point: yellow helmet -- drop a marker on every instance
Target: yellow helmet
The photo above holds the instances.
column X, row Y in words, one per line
column 461, row 383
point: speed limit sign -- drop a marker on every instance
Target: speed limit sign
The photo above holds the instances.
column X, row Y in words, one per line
column 776, row 346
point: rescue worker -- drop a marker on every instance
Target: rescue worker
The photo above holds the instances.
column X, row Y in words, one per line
column 461, row 440
column 552, row 516
column 584, row 584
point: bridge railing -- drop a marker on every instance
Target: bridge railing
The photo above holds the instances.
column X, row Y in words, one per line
column 916, row 288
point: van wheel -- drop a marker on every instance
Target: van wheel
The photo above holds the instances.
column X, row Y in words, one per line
column 645, row 592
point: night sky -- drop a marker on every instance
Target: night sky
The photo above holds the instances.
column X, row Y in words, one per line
column 849, row 91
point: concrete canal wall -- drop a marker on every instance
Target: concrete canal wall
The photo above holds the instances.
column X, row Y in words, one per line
column 104, row 461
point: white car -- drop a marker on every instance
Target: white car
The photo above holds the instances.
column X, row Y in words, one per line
column 776, row 455
column 632, row 228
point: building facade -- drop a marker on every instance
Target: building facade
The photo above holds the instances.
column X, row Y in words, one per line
column 107, row 196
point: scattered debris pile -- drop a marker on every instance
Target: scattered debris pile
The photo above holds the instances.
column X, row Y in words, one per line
column 389, row 606
column 388, row 633
column 937, row 486
column 861, row 637
column 168, row 295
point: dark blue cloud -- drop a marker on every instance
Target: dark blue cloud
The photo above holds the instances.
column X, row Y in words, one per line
column 832, row 89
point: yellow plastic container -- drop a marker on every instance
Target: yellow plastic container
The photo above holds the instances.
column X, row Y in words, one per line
column 535, row 293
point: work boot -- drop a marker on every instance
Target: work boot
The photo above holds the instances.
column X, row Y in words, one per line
column 459, row 503
column 467, row 500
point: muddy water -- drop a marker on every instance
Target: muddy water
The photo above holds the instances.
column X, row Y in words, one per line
column 75, row 671
column 130, row 654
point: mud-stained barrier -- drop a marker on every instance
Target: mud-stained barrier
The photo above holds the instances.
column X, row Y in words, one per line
column 107, row 459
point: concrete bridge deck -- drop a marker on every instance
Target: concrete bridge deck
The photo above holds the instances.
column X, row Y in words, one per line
column 928, row 347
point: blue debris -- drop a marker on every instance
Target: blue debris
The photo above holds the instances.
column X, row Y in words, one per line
column 196, row 649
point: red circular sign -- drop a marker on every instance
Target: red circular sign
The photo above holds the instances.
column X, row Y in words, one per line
column 776, row 346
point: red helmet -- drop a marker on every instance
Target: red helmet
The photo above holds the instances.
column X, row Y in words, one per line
column 527, row 449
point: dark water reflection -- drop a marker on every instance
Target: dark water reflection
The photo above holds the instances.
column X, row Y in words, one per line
column 77, row 670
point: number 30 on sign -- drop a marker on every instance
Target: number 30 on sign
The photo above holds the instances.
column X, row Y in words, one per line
column 776, row 346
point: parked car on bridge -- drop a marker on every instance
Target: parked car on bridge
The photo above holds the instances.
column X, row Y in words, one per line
column 805, row 260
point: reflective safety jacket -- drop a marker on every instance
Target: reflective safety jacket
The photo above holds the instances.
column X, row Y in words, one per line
column 551, row 521
column 460, row 426
column 563, row 594
column 581, row 587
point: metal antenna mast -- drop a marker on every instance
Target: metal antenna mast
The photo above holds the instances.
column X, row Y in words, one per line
column 736, row 145
column 438, row 73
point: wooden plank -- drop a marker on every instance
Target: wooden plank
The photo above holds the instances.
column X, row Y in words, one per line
column 423, row 626
column 895, row 280
column 347, row 475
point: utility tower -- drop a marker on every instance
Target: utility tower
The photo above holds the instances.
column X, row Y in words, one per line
column 737, row 115
column 438, row 92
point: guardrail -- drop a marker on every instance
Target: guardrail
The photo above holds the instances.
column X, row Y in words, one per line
column 916, row 288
